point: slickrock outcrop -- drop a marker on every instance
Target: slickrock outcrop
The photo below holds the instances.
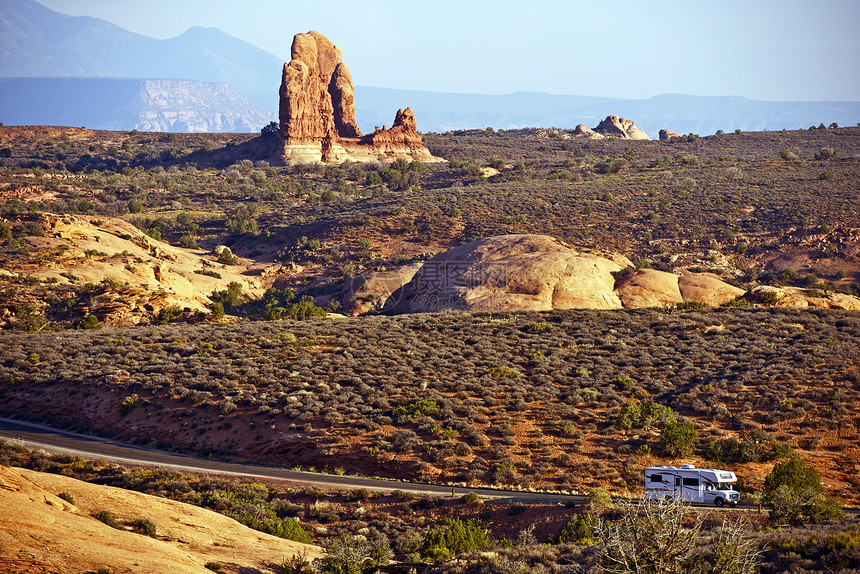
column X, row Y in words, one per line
column 614, row 126
column 666, row 135
column 648, row 288
column 707, row 288
column 584, row 131
column 369, row 293
column 155, row 275
column 510, row 272
column 317, row 112
column 44, row 533
column 802, row 298
column 539, row 273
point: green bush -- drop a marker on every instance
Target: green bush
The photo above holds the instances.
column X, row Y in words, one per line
column 691, row 305
column 677, row 438
column 598, row 498
column 243, row 219
column 453, row 537
column 503, row 372
column 794, row 492
column 788, row 155
column 129, row 403
column 644, row 415
column 826, row 153
column 538, row 327
column 135, row 205
column 231, row 297
column 226, row 257
column 418, row 408
column 296, row 564
column 354, row 555
column 577, row 530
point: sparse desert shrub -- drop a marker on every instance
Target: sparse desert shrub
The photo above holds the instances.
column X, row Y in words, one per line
column 349, row 554
column 826, row 153
column 653, row 536
column 67, row 497
column 503, row 372
column 788, row 155
column 108, row 518
column 144, row 526
column 297, row 564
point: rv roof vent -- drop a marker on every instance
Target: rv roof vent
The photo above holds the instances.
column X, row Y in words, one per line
column 688, row 466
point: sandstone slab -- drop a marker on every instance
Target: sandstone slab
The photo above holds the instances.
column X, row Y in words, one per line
column 707, row 288
column 41, row 532
column 369, row 293
column 648, row 288
column 510, row 272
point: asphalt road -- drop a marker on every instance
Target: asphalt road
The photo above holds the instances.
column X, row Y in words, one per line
column 50, row 439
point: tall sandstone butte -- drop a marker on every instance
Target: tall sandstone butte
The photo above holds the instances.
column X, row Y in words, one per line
column 317, row 112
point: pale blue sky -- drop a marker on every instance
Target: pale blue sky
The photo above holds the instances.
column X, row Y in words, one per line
column 761, row 49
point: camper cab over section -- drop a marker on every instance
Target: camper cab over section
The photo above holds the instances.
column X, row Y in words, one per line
column 703, row 485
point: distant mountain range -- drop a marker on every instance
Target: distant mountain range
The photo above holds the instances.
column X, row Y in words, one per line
column 38, row 42
column 126, row 104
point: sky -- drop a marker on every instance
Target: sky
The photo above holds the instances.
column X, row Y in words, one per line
column 794, row 50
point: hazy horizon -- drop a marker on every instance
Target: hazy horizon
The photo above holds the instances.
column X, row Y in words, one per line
column 782, row 51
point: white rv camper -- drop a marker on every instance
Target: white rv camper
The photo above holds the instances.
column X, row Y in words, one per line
column 704, row 485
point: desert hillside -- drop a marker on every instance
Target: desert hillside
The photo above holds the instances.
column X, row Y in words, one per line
column 541, row 310
column 775, row 209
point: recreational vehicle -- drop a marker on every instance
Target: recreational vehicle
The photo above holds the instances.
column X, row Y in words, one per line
column 703, row 485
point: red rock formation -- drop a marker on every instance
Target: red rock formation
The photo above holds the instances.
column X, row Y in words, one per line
column 316, row 95
column 620, row 128
column 317, row 112
column 403, row 131
column 343, row 98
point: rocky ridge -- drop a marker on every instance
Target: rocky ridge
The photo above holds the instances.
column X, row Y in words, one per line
column 317, row 112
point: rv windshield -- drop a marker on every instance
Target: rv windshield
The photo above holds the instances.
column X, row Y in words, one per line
column 722, row 486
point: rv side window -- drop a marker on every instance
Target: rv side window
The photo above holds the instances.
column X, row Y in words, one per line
column 691, row 482
column 656, row 478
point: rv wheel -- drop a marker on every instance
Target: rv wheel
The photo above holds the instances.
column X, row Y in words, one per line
column 719, row 502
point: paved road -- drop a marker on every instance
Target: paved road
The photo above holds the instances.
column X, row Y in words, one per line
column 39, row 436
